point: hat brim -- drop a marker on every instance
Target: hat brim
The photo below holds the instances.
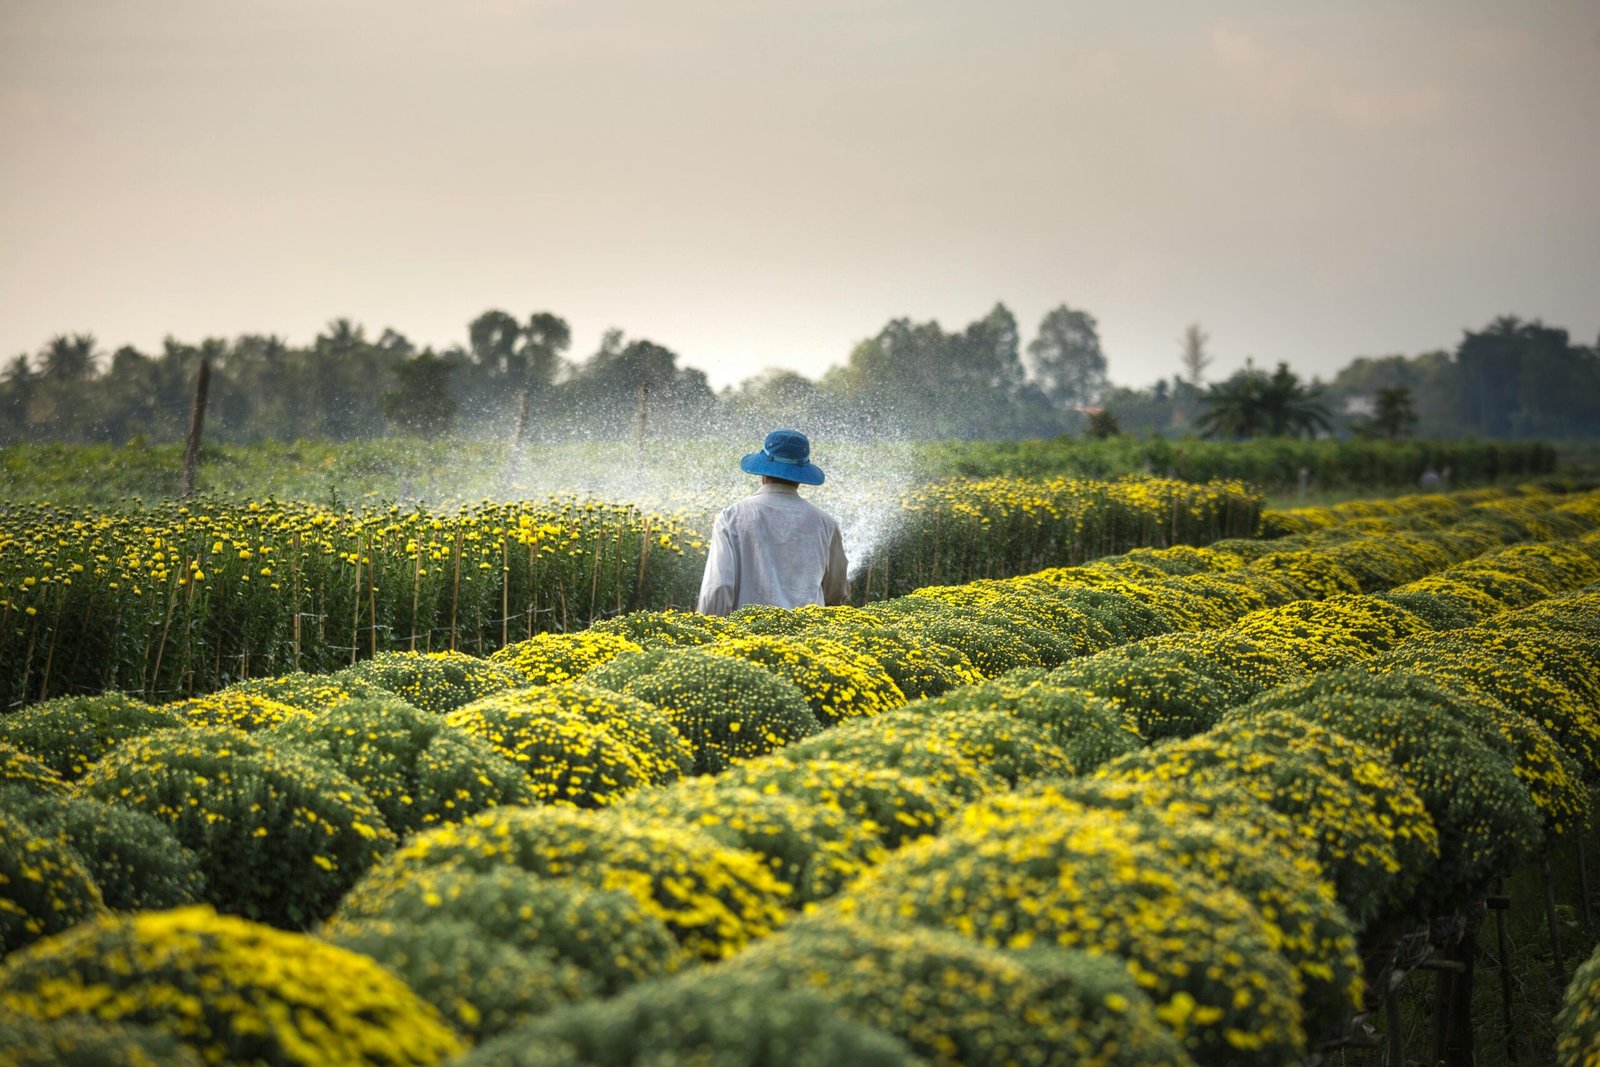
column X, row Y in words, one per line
column 761, row 463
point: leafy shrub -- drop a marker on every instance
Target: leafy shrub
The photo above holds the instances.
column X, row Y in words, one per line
column 605, row 933
column 1578, row 1023
column 132, row 857
column 313, row 692
column 83, row 1041
column 695, row 1018
column 1286, row 887
column 1126, row 618
column 664, row 629
column 1010, row 880
column 1013, row 748
column 810, row 847
column 918, row 667
column 1442, row 602
column 1315, row 571
column 1486, row 820
column 46, row 887
column 1365, row 824
column 416, row 768
column 1051, row 629
column 838, row 683
column 993, row 649
column 774, row 621
column 1170, row 692
column 280, row 835
column 548, row 659
column 1321, row 635
column 69, row 733
column 1088, row 729
column 236, row 709
column 726, row 708
column 18, row 768
column 910, row 748
column 233, row 990
column 714, row 899
column 893, row 806
column 566, row 735
column 480, row 987
column 433, row 681
column 954, row 1001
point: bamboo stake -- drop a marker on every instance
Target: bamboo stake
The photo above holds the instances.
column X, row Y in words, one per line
column 197, row 419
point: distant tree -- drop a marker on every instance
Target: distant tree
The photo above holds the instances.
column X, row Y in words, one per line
column 1394, row 416
column 1253, row 403
column 1195, row 358
column 1102, row 425
column 420, row 401
column 17, row 383
column 494, row 337
column 546, row 339
column 1522, row 379
column 68, row 359
column 1066, row 359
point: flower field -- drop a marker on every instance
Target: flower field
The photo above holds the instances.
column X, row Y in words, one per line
column 179, row 599
column 1205, row 803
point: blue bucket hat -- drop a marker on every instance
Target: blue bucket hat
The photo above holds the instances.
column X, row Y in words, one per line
column 784, row 454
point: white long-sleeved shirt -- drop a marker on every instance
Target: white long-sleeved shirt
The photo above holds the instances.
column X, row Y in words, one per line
column 773, row 548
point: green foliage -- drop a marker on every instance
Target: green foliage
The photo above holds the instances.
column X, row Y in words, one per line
column 1087, row 728
column 900, row 742
column 714, row 899
column 18, row 768
column 47, row 888
column 726, row 708
column 695, row 1018
column 280, row 835
column 83, row 1041
column 232, row 990
column 236, row 710
column 955, row 1002
column 1011, row 748
column 313, row 692
column 663, row 629
column 433, row 681
column 811, row 847
column 133, row 858
column 548, row 659
column 892, row 805
column 416, row 768
column 69, row 733
column 838, row 682
column 604, row 933
column 480, row 987
column 1578, row 1024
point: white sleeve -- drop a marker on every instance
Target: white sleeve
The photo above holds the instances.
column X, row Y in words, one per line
column 719, row 589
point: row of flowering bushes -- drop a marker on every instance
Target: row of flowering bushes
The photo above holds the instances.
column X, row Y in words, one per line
column 742, row 769
column 178, row 599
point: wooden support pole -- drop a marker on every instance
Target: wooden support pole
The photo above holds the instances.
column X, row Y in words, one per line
column 1585, row 906
column 643, row 422
column 1397, row 1037
column 1550, row 917
column 1499, row 904
column 197, row 419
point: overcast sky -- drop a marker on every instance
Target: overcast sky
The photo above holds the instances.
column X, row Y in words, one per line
column 764, row 183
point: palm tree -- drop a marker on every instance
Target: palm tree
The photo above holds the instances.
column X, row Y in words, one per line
column 1253, row 403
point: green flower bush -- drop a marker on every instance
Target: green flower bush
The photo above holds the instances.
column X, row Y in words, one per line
column 236, row 709
column 313, row 692
column 280, row 835
column 1441, row 602
column 1012, row 748
column 83, row 1041
column 993, row 648
column 44, row 886
column 917, row 666
column 810, row 847
column 1485, row 817
column 605, row 933
column 416, row 768
column 1011, row 880
column 1167, row 690
column 714, row 899
column 1286, row 887
column 1316, row 572
column 838, row 683
column 69, row 733
column 900, row 742
column 480, row 987
column 1049, row 628
column 695, row 1018
column 1578, row 1023
column 893, row 806
column 433, row 681
column 1087, row 728
column 133, row 858
column 726, row 708
column 955, row 1002
column 19, row 769
column 1125, row 618
column 1361, row 820
column 510, row 721
column 232, row 990
column 765, row 619
column 1321, row 635
column 664, row 629
column 548, row 659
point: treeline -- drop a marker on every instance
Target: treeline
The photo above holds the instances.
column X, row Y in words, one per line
column 913, row 379
column 1511, row 380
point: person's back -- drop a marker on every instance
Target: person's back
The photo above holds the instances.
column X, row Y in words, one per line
column 774, row 547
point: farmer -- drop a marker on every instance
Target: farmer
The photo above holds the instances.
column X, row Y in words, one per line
column 772, row 547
